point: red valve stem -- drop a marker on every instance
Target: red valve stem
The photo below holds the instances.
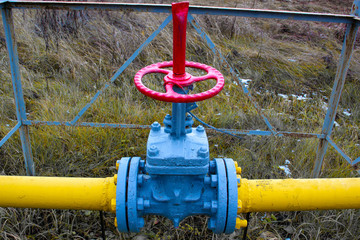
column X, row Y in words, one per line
column 179, row 12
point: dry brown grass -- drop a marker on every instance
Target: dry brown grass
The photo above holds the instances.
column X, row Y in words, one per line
column 63, row 66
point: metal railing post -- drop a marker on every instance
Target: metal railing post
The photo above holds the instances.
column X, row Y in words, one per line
column 342, row 68
column 16, row 81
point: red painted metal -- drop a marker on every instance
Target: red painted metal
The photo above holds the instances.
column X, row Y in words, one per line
column 179, row 12
column 171, row 80
column 178, row 77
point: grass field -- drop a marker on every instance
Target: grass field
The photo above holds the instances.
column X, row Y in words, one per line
column 66, row 57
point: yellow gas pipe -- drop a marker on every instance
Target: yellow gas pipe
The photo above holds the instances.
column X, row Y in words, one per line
column 253, row 195
column 58, row 193
column 298, row 194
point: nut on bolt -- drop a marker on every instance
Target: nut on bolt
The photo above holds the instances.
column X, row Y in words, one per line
column 240, row 223
column 140, row 204
column 168, row 117
column 214, row 206
column 238, row 178
column 153, row 151
column 200, row 128
column 212, row 224
column 238, row 169
column 140, row 179
column 115, row 179
column 207, row 205
column 155, row 126
column 142, row 165
column 212, row 166
column 202, row 152
column 113, row 205
column 207, row 180
column 213, row 180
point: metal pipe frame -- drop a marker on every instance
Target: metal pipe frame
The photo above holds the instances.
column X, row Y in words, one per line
column 199, row 10
column 23, row 123
column 18, row 94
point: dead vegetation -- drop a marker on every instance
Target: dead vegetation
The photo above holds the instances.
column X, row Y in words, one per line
column 66, row 57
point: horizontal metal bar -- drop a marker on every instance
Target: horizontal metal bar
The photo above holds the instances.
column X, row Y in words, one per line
column 339, row 150
column 137, row 126
column 12, row 131
column 275, row 14
column 85, row 124
column 269, row 133
column 161, row 8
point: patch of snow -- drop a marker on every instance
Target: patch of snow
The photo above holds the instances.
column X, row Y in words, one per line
column 283, row 96
column 7, row 125
column 218, row 114
column 347, row 112
column 287, row 162
column 292, row 60
column 246, row 81
column 286, row 169
column 324, row 106
column 336, row 124
column 299, row 97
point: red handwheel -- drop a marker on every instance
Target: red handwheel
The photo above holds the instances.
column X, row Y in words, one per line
column 171, row 80
column 178, row 77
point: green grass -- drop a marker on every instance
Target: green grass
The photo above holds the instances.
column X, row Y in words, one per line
column 63, row 69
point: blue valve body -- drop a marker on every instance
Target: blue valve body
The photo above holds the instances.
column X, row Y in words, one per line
column 177, row 180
